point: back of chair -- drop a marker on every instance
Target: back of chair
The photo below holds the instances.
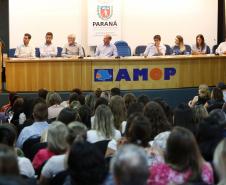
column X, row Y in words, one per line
column 214, row 49
column 27, row 146
column 123, row 48
column 37, row 52
column 12, row 52
column 83, row 51
column 139, row 50
column 169, row 50
column 188, row 48
column 59, row 51
column 208, row 50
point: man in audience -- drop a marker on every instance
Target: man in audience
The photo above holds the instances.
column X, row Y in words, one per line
column 48, row 49
column 130, row 166
column 115, row 91
column 222, row 48
column 25, row 50
column 40, row 114
column 155, row 49
column 106, row 49
column 72, row 48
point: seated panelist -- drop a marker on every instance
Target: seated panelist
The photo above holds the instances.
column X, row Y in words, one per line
column 25, row 50
column 48, row 49
column 179, row 48
column 72, row 48
column 222, row 48
column 156, row 48
column 106, row 49
column 200, row 48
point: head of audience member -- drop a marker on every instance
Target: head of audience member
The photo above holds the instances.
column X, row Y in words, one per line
column 219, row 115
column 143, row 99
column 85, row 115
column 221, row 85
column 219, row 161
column 8, row 161
column 167, row 109
column 129, row 99
column 11, row 97
column 115, row 91
column 106, row 95
column 17, row 108
column 100, row 101
column 42, row 93
column 182, row 152
column 40, row 112
column 107, row 39
column 104, row 122
column 199, row 113
column 75, row 105
column 204, row 91
column 91, row 168
column 76, row 132
column 184, row 117
column 179, row 41
column 49, row 38
column 210, row 133
column 71, row 39
column 118, row 109
column 77, row 90
column 73, row 97
column 138, row 130
column 98, row 92
column 200, row 41
column 217, row 94
column 26, row 39
column 53, row 99
column 90, row 101
column 68, row 115
column 135, row 108
column 56, row 137
column 130, row 166
column 157, row 118
column 157, row 40
column 8, row 135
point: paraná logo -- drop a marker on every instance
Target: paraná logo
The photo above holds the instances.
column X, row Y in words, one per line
column 105, row 12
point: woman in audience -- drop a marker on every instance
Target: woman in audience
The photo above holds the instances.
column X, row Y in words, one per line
column 220, row 162
column 179, row 48
column 54, row 101
column 203, row 96
column 216, row 101
column 200, row 48
column 42, row 93
column 8, row 106
column 85, row 115
column 68, row 115
column 90, row 101
column 57, row 164
column 56, row 139
column 118, row 109
column 183, row 162
column 199, row 113
column 72, row 97
column 143, row 99
column 158, row 120
column 103, row 128
column 129, row 99
column 18, row 112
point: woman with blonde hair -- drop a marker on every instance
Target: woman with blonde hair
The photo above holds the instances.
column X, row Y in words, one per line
column 179, row 48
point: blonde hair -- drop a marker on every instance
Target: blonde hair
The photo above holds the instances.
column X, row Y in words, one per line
column 204, row 90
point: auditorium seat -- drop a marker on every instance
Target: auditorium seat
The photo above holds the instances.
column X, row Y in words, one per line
column 12, row 52
column 214, row 49
column 169, row 50
column 83, row 51
column 208, row 50
column 139, row 50
column 123, row 48
column 59, row 51
column 188, row 48
column 37, row 52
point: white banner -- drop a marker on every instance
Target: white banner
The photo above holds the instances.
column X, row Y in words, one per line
column 104, row 17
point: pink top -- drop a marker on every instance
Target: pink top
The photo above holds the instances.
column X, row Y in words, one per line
column 42, row 156
column 162, row 174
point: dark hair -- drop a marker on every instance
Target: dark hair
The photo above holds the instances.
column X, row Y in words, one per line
column 7, row 135
column 67, row 115
column 129, row 99
column 98, row 92
column 40, row 112
column 73, row 97
column 138, row 131
column 217, row 94
column 158, row 120
column 157, row 37
column 17, row 108
column 203, row 41
column 11, row 97
column 182, row 152
column 221, row 85
column 49, row 34
column 135, row 107
column 143, row 99
column 42, row 93
column 8, row 161
column 115, row 91
column 184, row 117
column 100, row 101
column 91, row 166
column 28, row 35
column 81, row 99
column 77, row 90
column 85, row 115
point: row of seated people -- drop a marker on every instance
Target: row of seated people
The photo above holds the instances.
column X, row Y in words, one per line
column 72, row 142
column 119, row 48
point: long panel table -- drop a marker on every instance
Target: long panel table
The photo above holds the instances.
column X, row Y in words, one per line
column 62, row 74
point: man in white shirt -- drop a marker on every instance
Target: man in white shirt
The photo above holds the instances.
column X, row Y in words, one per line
column 72, row 48
column 222, row 48
column 106, row 49
column 48, row 49
column 155, row 49
column 25, row 50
